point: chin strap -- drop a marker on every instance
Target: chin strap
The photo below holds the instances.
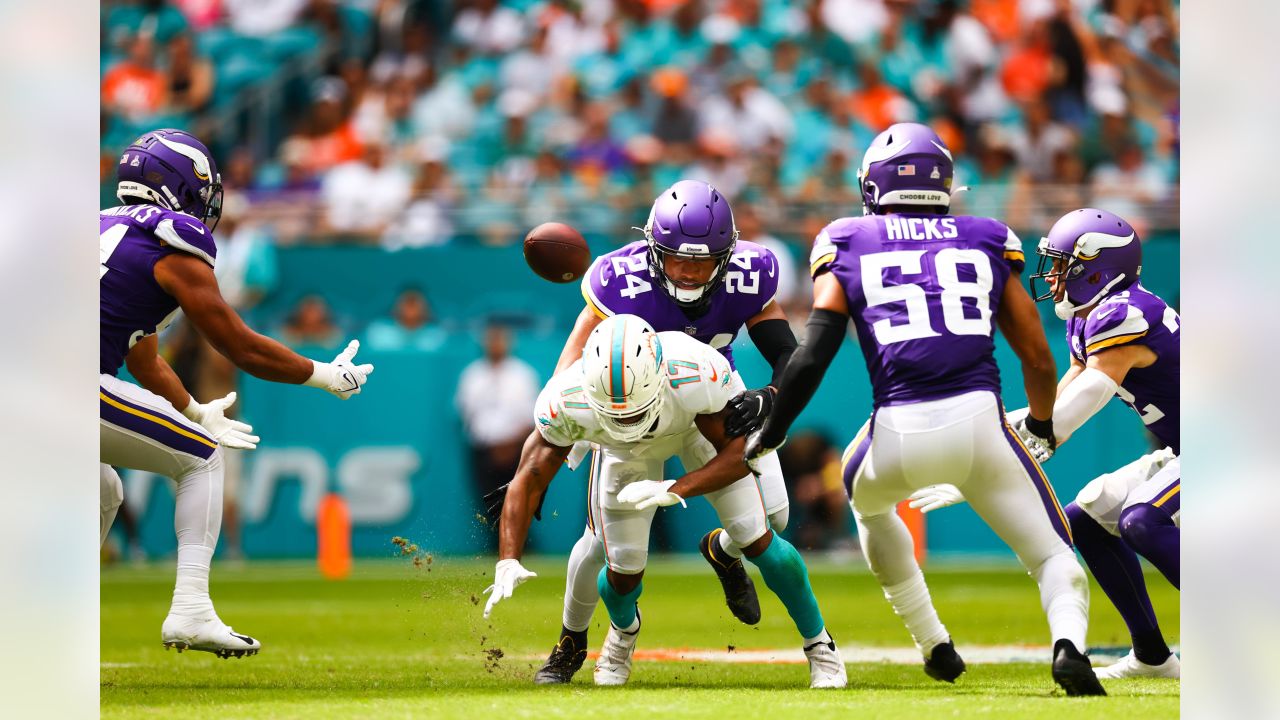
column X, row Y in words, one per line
column 1065, row 309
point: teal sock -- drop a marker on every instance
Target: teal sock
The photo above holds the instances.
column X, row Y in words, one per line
column 786, row 575
column 622, row 608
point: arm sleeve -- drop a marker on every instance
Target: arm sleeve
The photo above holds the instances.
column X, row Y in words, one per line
column 803, row 374
column 776, row 342
column 1080, row 400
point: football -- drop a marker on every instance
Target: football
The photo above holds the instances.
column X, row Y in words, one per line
column 557, row 252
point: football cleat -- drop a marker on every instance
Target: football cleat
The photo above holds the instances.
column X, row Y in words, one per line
column 826, row 667
column 1130, row 666
column 944, row 663
column 1072, row 671
column 739, row 590
column 565, row 660
column 613, row 667
column 206, row 634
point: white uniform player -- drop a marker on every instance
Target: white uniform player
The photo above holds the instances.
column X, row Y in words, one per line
column 643, row 397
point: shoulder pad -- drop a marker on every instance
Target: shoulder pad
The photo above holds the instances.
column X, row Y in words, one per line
column 602, row 284
column 1115, row 321
column 186, row 233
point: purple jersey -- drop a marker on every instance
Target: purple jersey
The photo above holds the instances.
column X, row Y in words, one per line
column 923, row 291
column 131, row 304
column 1137, row 316
column 620, row 282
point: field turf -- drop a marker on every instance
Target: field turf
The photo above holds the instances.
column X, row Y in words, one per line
column 406, row 639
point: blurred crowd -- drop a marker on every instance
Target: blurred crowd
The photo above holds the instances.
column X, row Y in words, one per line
column 428, row 122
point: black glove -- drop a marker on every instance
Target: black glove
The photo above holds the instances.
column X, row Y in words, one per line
column 494, row 500
column 748, row 410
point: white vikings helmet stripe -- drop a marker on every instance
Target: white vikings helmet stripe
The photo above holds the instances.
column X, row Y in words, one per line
column 198, row 159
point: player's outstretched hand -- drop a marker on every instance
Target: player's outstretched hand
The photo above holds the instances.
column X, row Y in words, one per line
column 1037, row 435
column 507, row 574
column 212, row 417
column 644, row 494
column 933, row 497
column 341, row 377
column 748, row 410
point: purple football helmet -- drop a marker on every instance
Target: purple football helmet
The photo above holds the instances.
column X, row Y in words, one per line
column 690, row 220
column 1100, row 255
column 908, row 164
column 174, row 170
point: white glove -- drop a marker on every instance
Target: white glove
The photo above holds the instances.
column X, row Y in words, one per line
column 507, row 574
column 933, row 497
column 1040, row 448
column 756, row 450
column 340, row 377
column 229, row 433
column 645, row 494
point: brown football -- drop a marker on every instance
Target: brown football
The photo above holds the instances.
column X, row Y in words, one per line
column 557, row 252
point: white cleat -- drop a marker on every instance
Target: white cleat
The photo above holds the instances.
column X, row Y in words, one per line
column 207, row 634
column 613, row 667
column 1130, row 666
column 826, row 667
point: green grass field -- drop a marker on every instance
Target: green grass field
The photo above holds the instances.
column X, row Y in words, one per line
column 400, row 640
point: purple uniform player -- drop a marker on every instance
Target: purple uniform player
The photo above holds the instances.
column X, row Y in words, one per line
column 620, row 282
column 690, row 274
column 157, row 256
column 1124, row 341
column 906, row 275
column 925, row 291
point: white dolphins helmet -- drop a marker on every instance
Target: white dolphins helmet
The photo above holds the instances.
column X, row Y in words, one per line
column 622, row 376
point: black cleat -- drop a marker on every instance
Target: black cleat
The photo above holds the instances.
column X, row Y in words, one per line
column 944, row 663
column 566, row 659
column 739, row 590
column 1071, row 670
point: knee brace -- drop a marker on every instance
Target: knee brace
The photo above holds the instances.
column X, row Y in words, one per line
column 778, row 519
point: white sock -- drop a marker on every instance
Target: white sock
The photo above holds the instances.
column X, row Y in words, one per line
column 1064, row 595
column 823, row 636
column 191, row 591
column 197, row 518
column 726, row 544
column 890, row 552
column 580, row 592
column 912, row 603
column 633, row 628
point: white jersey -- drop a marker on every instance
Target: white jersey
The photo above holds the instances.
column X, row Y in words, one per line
column 699, row 382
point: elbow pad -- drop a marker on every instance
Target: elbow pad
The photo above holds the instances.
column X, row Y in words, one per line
column 1079, row 401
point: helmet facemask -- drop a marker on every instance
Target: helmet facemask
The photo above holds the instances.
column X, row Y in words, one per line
column 695, row 298
column 1071, row 271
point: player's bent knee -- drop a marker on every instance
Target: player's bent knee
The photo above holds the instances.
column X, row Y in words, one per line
column 627, row 559
column 778, row 518
column 1138, row 521
column 745, row 531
